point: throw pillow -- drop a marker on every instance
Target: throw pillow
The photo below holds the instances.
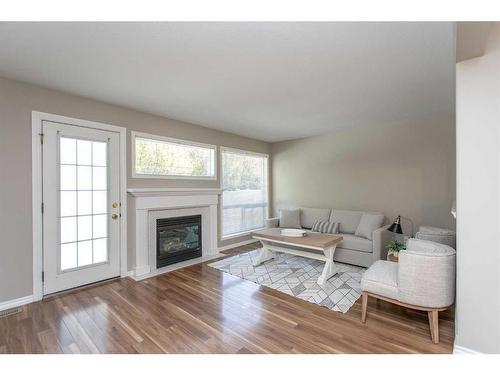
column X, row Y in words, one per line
column 290, row 219
column 325, row 226
column 368, row 223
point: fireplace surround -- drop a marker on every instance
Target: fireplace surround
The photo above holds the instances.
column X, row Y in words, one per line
column 146, row 206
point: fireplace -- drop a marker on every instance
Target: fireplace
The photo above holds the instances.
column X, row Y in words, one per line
column 177, row 239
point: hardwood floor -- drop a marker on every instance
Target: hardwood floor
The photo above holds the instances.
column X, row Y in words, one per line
column 201, row 310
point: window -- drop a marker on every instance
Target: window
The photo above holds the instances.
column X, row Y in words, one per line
column 244, row 184
column 161, row 157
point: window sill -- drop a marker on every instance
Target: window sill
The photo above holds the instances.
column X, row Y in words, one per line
column 240, row 234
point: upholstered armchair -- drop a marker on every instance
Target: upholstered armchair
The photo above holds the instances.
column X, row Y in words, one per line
column 424, row 279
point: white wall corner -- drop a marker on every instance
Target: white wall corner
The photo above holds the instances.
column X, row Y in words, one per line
column 15, row 302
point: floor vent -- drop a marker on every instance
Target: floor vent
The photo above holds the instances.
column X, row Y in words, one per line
column 9, row 312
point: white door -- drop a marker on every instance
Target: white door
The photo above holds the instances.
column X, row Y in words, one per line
column 81, row 209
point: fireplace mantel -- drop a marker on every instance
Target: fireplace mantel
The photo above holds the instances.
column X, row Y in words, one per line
column 146, row 204
column 151, row 192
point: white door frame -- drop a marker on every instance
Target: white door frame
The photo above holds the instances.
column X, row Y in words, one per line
column 36, row 161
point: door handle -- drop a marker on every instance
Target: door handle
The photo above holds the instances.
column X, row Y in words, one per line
column 114, row 216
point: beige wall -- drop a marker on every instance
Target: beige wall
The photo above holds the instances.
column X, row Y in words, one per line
column 478, row 200
column 406, row 168
column 17, row 100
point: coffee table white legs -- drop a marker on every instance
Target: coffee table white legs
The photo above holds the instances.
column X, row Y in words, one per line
column 330, row 268
column 264, row 255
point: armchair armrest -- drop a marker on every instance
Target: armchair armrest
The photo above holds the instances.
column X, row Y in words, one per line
column 381, row 238
column 272, row 222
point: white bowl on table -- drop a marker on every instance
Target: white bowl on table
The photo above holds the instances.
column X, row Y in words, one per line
column 293, row 232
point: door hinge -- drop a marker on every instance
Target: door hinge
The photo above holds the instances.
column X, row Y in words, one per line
column 43, row 207
column 41, row 137
column 43, row 276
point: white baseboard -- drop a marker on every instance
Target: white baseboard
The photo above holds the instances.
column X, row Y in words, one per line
column 15, row 302
column 457, row 349
column 246, row 242
column 176, row 266
column 147, row 273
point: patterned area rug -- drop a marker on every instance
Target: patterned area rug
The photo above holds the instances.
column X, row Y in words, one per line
column 297, row 276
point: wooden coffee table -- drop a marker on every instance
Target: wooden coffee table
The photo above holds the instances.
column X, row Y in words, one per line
column 313, row 245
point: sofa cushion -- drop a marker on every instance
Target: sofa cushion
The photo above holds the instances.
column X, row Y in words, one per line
column 352, row 242
column 308, row 216
column 349, row 220
column 290, row 219
column 369, row 222
column 325, row 226
column 382, row 279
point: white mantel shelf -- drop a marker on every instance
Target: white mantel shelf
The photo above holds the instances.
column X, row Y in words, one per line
column 155, row 192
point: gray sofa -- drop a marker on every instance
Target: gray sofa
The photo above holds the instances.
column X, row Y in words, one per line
column 353, row 249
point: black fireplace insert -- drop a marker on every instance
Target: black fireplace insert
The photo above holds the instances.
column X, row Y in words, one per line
column 177, row 239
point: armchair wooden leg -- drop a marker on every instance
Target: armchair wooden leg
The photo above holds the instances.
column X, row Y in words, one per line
column 364, row 306
column 434, row 325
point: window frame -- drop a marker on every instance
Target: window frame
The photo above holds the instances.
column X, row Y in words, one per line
column 221, row 209
column 135, row 134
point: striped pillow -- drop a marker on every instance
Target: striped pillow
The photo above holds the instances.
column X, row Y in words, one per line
column 324, row 226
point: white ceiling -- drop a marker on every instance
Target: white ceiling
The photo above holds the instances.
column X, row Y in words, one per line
column 269, row 81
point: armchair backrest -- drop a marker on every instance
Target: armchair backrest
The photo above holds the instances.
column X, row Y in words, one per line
column 426, row 274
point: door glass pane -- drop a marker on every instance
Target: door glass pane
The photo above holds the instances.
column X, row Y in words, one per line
column 68, row 256
column 99, row 178
column 100, row 226
column 68, row 229
column 84, row 228
column 83, row 199
column 84, row 203
column 99, row 154
column 68, row 151
column 84, row 152
column 100, row 202
column 68, row 177
column 84, row 178
column 68, row 203
column 100, row 250
column 84, row 253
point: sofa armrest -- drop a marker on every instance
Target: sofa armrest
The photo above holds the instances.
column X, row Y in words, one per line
column 381, row 238
column 272, row 222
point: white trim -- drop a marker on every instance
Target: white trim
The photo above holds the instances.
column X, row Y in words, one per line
column 238, row 244
column 457, row 349
column 183, row 142
column 176, row 266
column 240, row 151
column 36, row 149
column 241, row 234
column 149, row 192
column 15, row 302
column 36, row 180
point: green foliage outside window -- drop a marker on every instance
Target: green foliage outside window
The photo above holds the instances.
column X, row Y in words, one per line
column 169, row 159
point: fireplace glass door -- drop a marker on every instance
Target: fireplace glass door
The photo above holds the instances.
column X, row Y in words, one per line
column 178, row 239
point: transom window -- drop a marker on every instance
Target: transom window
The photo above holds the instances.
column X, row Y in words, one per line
column 161, row 157
column 245, row 191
